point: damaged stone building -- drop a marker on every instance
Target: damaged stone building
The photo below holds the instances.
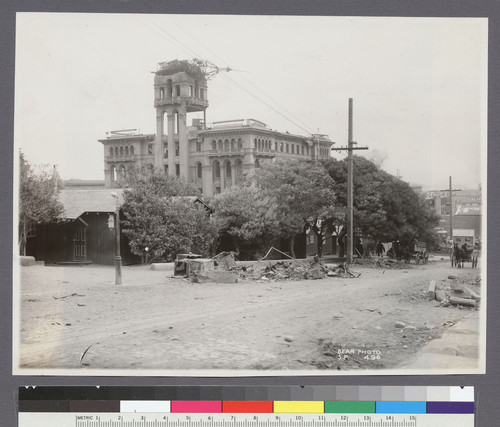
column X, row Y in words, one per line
column 212, row 156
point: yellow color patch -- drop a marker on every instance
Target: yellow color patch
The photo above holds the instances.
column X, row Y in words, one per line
column 299, row 407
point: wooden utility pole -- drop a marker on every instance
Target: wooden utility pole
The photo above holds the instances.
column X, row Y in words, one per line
column 350, row 193
column 451, row 214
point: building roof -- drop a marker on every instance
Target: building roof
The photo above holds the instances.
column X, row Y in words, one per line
column 458, row 232
column 77, row 202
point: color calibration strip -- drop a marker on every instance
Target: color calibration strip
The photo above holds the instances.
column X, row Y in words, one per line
column 213, row 400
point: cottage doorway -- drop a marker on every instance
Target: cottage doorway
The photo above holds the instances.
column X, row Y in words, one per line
column 80, row 243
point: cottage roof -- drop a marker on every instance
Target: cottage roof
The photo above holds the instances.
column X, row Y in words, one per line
column 457, row 232
column 76, row 202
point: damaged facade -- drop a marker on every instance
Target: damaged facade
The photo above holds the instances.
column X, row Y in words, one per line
column 212, row 156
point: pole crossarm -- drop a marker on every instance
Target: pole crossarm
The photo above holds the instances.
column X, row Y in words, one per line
column 349, row 148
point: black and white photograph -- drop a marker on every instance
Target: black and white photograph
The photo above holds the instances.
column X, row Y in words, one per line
column 243, row 195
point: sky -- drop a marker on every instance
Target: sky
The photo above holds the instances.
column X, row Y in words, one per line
column 419, row 85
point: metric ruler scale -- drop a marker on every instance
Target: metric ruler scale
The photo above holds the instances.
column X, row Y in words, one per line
column 304, row 407
column 164, row 420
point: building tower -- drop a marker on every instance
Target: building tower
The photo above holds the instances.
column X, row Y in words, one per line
column 180, row 88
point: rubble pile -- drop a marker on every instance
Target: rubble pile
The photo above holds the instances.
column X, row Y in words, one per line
column 380, row 262
column 453, row 291
column 290, row 270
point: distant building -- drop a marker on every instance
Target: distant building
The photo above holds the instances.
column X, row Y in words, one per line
column 211, row 156
column 466, row 208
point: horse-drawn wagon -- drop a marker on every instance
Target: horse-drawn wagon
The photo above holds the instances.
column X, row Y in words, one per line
column 461, row 255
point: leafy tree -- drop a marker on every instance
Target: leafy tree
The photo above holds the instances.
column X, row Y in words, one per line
column 305, row 195
column 38, row 198
column 247, row 216
column 385, row 207
column 159, row 214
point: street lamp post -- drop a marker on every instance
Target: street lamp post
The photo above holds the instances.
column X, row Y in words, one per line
column 118, row 258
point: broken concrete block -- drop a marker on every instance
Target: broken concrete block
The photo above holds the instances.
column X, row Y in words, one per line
column 432, row 289
column 462, row 301
column 218, row 276
column 199, row 265
column 27, row 260
column 441, row 296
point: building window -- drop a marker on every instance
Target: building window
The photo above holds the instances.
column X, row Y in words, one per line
column 131, row 150
column 216, row 169
column 165, row 168
column 281, row 147
column 227, row 168
column 238, row 167
column 176, row 122
column 165, row 152
column 114, row 175
column 302, row 150
column 293, row 149
column 177, row 170
column 275, row 145
column 232, row 144
column 214, row 145
column 190, row 91
column 169, row 88
column 126, row 151
column 287, row 148
column 150, row 148
column 116, row 151
column 177, row 90
column 162, row 92
column 111, row 151
column 257, row 163
column 198, row 146
column 240, row 143
column 199, row 170
column 219, row 144
column 122, row 172
column 217, row 190
column 176, row 148
column 121, row 151
column 226, row 144
column 255, row 143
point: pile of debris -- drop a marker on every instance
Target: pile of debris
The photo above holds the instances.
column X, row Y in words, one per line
column 380, row 262
column 456, row 292
column 293, row 270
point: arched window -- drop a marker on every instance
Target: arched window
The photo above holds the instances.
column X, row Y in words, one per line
column 126, row 151
column 131, row 150
column 199, row 170
column 232, row 144
column 114, row 175
column 257, row 163
column 227, row 169
column 111, row 151
column 238, row 168
column 169, row 88
column 226, row 144
column 122, row 172
column 121, row 151
column 116, row 151
column 176, row 122
column 219, row 144
column 255, row 143
column 240, row 143
column 214, row 144
column 216, row 169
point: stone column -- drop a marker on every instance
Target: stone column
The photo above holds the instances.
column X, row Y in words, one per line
column 158, row 148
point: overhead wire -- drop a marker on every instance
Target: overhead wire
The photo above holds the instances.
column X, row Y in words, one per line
column 189, row 50
column 248, row 81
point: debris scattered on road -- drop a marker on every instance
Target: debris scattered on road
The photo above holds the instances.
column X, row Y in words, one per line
column 458, row 292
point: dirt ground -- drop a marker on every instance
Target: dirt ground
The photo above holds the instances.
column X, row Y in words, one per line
column 155, row 321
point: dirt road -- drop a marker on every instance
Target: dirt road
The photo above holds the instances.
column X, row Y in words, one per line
column 154, row 321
